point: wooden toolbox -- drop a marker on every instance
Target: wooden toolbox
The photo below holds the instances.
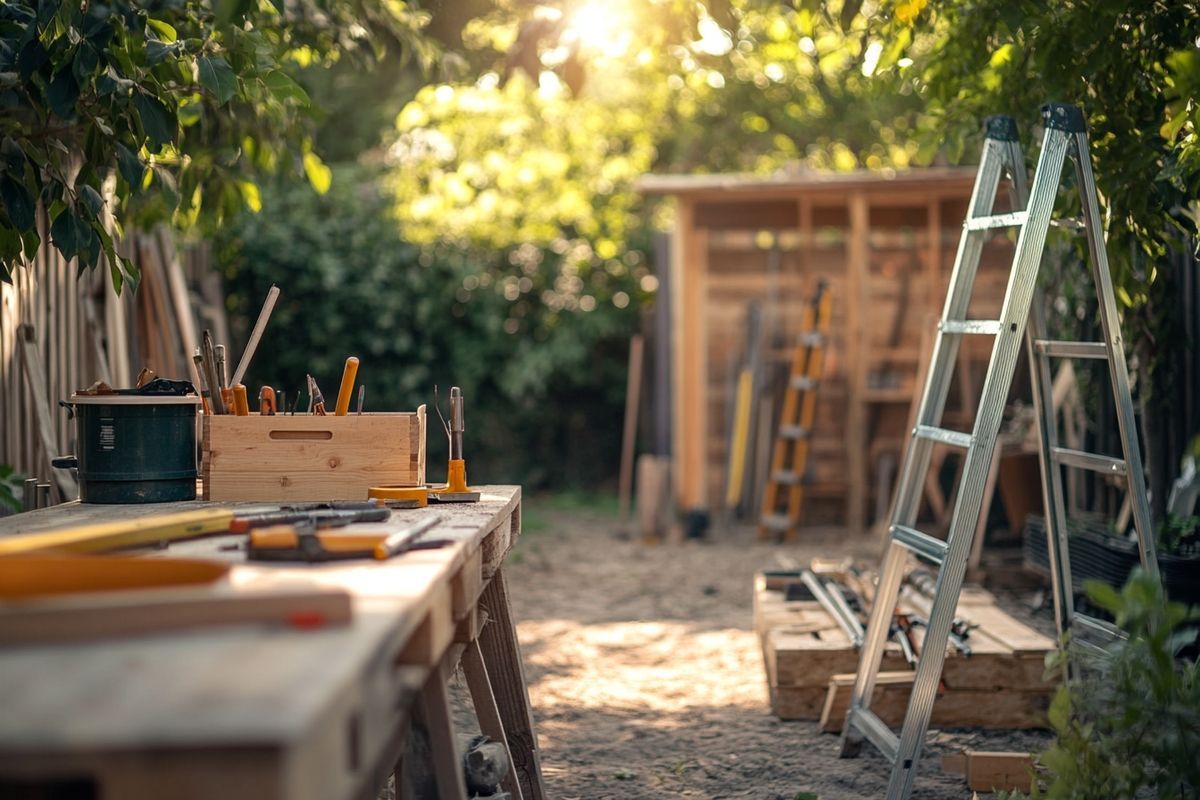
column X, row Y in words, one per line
column 305, row 457
column 810, row 665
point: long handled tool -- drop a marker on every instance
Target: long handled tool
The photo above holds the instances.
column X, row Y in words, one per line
column 346, row 390
column 256, row 334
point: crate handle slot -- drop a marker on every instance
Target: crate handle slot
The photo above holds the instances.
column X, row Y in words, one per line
column 294, row 435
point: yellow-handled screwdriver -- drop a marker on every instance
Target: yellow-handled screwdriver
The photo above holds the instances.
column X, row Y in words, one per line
column 347, row 388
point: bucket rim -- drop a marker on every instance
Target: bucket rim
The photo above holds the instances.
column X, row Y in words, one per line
column 134, row 400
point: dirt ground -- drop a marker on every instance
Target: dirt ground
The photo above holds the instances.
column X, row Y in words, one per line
column 647, row 681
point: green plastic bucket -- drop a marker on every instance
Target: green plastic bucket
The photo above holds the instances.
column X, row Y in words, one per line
column 136, row 448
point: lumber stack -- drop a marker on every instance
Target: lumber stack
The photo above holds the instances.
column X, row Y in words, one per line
column 810, row 665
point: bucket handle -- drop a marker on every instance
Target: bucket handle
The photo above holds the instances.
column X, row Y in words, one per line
column 70, row 407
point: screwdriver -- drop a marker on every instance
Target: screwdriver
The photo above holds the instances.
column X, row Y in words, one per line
column 347, row 388
column 266, row 401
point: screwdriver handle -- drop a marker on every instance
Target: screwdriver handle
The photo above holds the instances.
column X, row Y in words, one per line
column 266, row 401
column 347, row 388
column 241, row 406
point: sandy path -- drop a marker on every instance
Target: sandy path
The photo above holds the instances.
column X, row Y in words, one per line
column 646, row 678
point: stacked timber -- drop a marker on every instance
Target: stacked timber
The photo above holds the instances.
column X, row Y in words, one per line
column 810, row 664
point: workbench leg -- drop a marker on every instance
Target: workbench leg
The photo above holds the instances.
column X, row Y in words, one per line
column 433, row 710
column 475, row 671
column 502, row 655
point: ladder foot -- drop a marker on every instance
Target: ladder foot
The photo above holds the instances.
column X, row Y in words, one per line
column 851, row 743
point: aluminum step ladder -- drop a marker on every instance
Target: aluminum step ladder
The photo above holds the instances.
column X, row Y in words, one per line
column 1065, row 136
column 784, row 492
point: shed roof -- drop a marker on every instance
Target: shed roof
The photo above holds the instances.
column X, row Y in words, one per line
column 813, row 181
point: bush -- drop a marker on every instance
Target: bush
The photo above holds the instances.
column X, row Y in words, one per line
column 1134, row 730
column 543, row 376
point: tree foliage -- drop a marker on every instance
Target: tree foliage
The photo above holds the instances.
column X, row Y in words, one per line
column 120, row 110
column 520, row 340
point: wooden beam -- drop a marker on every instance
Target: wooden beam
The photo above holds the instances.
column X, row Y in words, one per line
column 857, row 256
column 501, row 653
column 991, row 772
column 633, row 394
column 689, row 269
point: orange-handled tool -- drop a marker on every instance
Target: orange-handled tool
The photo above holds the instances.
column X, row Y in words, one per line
column 347, row 388
column 266, row 401
column 241, row 406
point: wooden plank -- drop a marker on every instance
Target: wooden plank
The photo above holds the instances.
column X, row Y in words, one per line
column 689, row 269
column 856, row 433
column 484, row 700
column 35, row 379
column 138, row 613
column 433, row 709
column 993, row 710
column 633, row 396
column 991, row 771
column 435, row 633
column 304, row 457
column 502, row 654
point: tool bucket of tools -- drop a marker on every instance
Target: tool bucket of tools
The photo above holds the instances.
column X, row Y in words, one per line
column 135, row 448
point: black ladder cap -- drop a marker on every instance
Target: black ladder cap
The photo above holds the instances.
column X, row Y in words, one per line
column 1064, row 117
column 1000, row 127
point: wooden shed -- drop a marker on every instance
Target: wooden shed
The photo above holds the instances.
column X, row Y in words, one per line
column 885, row 244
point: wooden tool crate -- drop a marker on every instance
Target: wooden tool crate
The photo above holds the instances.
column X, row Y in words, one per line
column 305, row 457
column 810, row 665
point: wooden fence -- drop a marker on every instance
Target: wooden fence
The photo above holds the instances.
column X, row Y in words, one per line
column 62, row 330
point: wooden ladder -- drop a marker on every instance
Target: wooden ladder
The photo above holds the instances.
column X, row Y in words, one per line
column 790, row 457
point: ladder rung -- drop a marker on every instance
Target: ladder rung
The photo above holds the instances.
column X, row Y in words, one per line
column 793, row 432
column 1053, row 349
column 786, row 476
column 803, row 383
column 777, row 522
column 953, row 438
column 810, row 339
column 878, row 733
column 1092, row 461
column 982, row 327
column 1098, row 627
column 1010, row 220
column 922, row 544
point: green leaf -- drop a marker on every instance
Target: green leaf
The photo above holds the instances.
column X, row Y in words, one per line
column 319, row 174
column 62, row 93
column 131, row 167
column 284, row 88
column 215, row 74
column 157, row 121
column 92, row 199
column 163, row 29
column 250, row 195
column 69, row 234
column 1103, row 595
column 18, row 203
column 156, row 52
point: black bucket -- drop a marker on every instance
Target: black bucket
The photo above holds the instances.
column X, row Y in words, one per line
column 136, row 448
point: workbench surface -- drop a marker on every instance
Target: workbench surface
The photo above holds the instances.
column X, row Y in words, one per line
column 251, row 711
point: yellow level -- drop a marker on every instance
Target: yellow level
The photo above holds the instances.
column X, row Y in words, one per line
column 103, row 536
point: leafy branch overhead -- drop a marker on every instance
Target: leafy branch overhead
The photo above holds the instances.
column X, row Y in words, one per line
column 125, row 112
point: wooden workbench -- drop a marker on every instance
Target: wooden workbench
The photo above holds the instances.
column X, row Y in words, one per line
column 276, row 712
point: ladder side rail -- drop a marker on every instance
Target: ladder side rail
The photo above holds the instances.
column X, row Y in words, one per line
column 918, row 452
column 1054, row 510
column 813, row 366
column 1127, row 425
column 945, row 348
column 1018, row 296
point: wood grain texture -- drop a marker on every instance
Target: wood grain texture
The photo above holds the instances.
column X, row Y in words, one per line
column 498, row 642
column 278, row 713
column 288, row 458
